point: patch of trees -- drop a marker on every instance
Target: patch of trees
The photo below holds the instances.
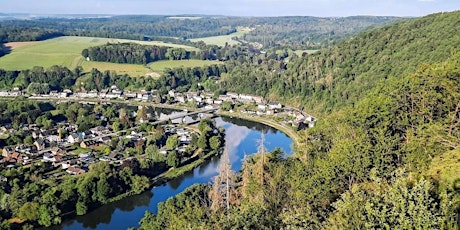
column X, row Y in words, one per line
column 19, row 34
column 41, row 203
column 53, row 78
column 132, row 53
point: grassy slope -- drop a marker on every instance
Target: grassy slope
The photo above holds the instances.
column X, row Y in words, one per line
column 66, row 51
column 221, row 40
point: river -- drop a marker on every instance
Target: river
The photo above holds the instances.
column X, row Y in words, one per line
column 242, row 137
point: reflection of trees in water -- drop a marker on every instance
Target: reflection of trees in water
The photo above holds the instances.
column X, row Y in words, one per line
column 249, row 124
column 104, row 213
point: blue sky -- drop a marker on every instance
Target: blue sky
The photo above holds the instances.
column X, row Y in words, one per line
column 233, row 7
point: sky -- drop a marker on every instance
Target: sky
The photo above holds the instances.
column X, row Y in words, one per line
column 321, row 8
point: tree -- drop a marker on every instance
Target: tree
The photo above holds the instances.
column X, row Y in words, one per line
column 81, row 207
column 103, row 189
column 45, row 218
column 172, row 142
column 173, row 159
column 202, row 142
column 29, row 211
column 29, row 140
column 224, row 182
column 215, row 143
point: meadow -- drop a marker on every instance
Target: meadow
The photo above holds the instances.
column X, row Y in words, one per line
column 221, row 40
column 66, row 51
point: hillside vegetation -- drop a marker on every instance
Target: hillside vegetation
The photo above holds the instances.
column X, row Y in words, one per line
column 385, row 157
column 342, row 74
column 296, row 32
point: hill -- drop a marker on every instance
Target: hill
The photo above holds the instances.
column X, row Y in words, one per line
column 386, row 156
column 342, row 74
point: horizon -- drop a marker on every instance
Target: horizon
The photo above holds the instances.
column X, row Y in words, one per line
column 237, row 8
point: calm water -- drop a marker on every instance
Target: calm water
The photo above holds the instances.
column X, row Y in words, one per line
column 241, row 138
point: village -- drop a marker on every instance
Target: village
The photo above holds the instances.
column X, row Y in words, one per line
column 66, row 150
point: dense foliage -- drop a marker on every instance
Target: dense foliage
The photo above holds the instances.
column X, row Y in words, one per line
column 45, row 201
column 365, row 167
column 125, row 53
column 340, row 75
column 39, row 80
column 297, row 32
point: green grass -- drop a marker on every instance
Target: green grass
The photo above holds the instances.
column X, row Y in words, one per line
column 221, row 40
column 160, row 66
column 66, row 51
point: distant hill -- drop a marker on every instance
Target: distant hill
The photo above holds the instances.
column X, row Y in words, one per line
column 343, row 73
column 303, row 32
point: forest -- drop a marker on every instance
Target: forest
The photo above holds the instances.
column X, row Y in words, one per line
column 342, row 74
column 387, row 159
column 294, row 32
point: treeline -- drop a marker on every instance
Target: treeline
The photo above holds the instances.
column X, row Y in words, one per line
column 390, row 160
column 39, row 80
column 20, row 34
column 133, row 53
column 130, row 53
column 341, row 74
column 53, row 78
column 294, row 32
column 309, row 32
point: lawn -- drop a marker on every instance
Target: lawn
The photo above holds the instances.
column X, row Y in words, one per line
column 66, row 51
column 159, row 66
column 221, row 40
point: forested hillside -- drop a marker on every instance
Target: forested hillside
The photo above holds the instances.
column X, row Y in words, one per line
column 385, row 157
column 342, row 74
column 369, row 166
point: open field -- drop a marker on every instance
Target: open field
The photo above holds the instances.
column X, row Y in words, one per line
column 159, row 66
column 66, row 51
column 221, row 40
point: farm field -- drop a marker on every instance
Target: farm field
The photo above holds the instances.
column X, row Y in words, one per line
column 66, row 51
column 159, row 66
column 221, row 40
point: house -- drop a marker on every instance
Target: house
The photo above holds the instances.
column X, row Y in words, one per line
column 6, row 152
column 232, row 95
column 58, row 151
column 75, row 170
column 129, row 95
column 73, row 138
column 262, row 107
column 180, row 98
column 198, row 99
column 258, row 99
column 48, row 157
column 105, row 139
column 172, row 93
column 275, row 105
column 40, row 144
column 88, row 144
column 53, row 138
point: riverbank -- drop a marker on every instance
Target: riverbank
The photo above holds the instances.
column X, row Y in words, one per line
column 298, row 144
